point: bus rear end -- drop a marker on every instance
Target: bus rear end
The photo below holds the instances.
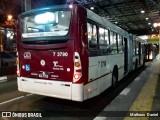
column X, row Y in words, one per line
column 48, row 63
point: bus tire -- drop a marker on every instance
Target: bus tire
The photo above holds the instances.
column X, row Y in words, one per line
column 114, row 77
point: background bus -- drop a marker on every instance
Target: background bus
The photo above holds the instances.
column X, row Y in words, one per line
column 65, row 54
column 151, row 51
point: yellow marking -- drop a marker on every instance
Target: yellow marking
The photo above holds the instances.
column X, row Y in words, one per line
column 145, row 99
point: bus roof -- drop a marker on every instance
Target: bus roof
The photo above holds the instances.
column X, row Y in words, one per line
column 93, row 16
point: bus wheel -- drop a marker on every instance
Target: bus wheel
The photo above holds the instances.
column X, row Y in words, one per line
column 114, row 78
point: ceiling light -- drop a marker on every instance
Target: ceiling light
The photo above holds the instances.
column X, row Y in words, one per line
column 62, row 15
column 142, row 11
column 156, row 24
column 149, row 23
column 70, row 6
column 92, row 8
column 147, row 18
column 9, row 17
column 116, row 22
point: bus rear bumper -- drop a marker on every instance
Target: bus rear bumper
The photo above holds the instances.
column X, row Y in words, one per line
column 57, row 89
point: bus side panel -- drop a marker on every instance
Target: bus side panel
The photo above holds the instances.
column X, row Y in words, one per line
column 100, row 73
column 80, row 46
column 81, row 42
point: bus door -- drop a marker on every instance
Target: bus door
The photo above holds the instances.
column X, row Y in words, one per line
column 140, row 53
column 125, row 55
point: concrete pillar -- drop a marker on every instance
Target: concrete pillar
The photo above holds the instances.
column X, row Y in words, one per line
column 0, row 39
column 27, row 5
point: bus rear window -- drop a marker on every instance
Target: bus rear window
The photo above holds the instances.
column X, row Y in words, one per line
column 46, row 24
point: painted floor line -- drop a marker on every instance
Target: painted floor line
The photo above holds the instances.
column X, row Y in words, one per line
column 125, row 91
column 144, row 100
column 3, row 78
column 137, row 78
column 100, row 118
column 3, row 81
column 14, row 99
column 11, row 100
column 29, row 94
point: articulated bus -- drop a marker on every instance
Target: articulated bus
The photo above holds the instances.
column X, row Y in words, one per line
column 69, row 52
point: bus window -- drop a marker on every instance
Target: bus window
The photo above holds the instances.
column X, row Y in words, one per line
column 137, row 47
column 89, row 29
column 45, row 24
column 120, row 47
column 92, row 36
column 106, row 37
column 134, row 47
column 113, row 42
column 103, row 41
column 101, row 36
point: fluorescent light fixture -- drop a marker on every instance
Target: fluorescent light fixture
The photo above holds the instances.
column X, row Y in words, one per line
column 156, row 24
column 11, row 37
column 62, row 15
column 9, row 17
column 142, row 11
column 70, row 6
column 45, row 18
column 147, row 18
column 8, row 34
column 92, row 8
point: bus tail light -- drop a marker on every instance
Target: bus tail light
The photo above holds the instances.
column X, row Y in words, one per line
column 77, row 68
column 77, row 76
column 18, row 72
column 77, row 64
column 17, row 63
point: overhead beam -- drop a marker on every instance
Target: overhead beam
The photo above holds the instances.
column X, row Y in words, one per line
column 27, row 5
